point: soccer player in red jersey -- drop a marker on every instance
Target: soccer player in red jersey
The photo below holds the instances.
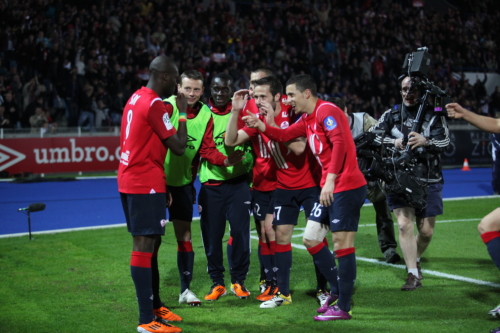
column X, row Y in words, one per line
column 263, row 186
column 489, row 227
column 343, row 187
column 296, row 185
column 146, row 135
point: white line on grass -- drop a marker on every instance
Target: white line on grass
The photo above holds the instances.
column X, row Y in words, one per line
column 426, row 271
column 297, row 246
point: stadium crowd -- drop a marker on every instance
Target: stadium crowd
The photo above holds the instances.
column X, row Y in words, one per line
column 82, row 60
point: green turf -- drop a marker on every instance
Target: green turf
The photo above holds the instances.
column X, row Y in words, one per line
column 80, row 282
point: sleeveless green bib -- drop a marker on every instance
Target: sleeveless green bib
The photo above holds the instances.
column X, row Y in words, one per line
column 210, row 171
column 178, row 168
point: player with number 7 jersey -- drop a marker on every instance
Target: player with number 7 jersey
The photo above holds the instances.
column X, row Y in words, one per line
column 296, row 182
column 343, row 188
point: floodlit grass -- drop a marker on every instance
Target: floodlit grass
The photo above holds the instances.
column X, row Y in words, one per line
column 80, row 282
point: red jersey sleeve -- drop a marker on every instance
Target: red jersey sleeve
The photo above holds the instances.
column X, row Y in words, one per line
column 329, row 118
column 283, row 135
column 159, row 118
column 208, row 149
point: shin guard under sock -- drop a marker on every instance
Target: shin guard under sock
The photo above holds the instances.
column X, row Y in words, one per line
column 283, row 260
column 266, row 261
column 140, row 270
column 185, row 261
column 325, row 263
column 492, row 241
column 347, row 276
column 155, row 278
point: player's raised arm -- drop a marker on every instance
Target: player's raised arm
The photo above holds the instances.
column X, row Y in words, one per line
column 487, row 124
column 177, row 142
column 234, row 136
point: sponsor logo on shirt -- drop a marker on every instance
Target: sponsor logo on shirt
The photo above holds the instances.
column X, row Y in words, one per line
column 191, row 140
column 219, row 139
column 124, row 157
column 330, row 123
column 166, row 121
column 284, row 124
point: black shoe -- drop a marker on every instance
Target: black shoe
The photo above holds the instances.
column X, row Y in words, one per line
column 391, row 256
column 412, row 283
column 420, row 276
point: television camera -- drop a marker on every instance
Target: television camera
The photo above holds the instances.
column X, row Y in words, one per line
column 403, row 173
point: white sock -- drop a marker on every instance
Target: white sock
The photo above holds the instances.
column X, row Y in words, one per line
column 413, row 271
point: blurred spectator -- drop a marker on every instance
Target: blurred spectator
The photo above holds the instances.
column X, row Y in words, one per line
column 12, row 111
column 349, row 48
column 29, row 111
column 85, row 110
column 116, row 109
column 52, row 125
column 4, row 119
column 38, row 120
column 101, row 113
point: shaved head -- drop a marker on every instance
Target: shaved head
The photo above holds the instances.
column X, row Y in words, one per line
column 163, row 74
column 163, row 64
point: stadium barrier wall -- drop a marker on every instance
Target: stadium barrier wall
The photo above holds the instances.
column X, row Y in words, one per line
column 59, row 154
column 102, row 153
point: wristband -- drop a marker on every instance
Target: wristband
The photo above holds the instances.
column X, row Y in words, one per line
column 182, row 116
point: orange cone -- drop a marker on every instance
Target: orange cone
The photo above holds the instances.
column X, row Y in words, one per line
column 466, row 165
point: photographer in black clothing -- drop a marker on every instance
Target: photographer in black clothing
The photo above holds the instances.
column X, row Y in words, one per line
column 424, row 148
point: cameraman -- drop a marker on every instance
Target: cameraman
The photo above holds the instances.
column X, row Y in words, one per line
column 360, row 122
column 397, row 123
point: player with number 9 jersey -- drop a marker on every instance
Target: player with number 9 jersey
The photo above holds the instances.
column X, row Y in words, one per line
column 145, row 123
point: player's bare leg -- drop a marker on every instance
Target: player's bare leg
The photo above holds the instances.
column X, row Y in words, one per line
column 408, row 244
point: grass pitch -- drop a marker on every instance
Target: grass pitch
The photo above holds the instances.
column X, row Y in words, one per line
column 80, row 282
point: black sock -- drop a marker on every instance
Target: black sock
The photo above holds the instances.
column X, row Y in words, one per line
column 140, row 270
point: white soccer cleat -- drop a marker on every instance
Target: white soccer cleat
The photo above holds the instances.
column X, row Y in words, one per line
column 322, row 297
column 189, row 297
column 276, row 301
column 495, row 312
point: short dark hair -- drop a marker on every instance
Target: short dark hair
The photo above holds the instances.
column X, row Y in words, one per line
column 266, row 69
column 224, row 77
column 274, row 84
column 337, row 101
column 192, row 74
column 303, row 82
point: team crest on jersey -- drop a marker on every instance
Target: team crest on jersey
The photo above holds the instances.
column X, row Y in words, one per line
column 166, row 121
column 284, row 125
column 163, row 222
column 330, row 123
column 200, row 208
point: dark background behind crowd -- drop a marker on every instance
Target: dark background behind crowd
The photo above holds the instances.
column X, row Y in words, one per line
column 81, row 60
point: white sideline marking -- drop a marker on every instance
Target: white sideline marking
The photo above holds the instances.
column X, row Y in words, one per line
column 426, row 271
column 297, row 246
column 57, row 231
